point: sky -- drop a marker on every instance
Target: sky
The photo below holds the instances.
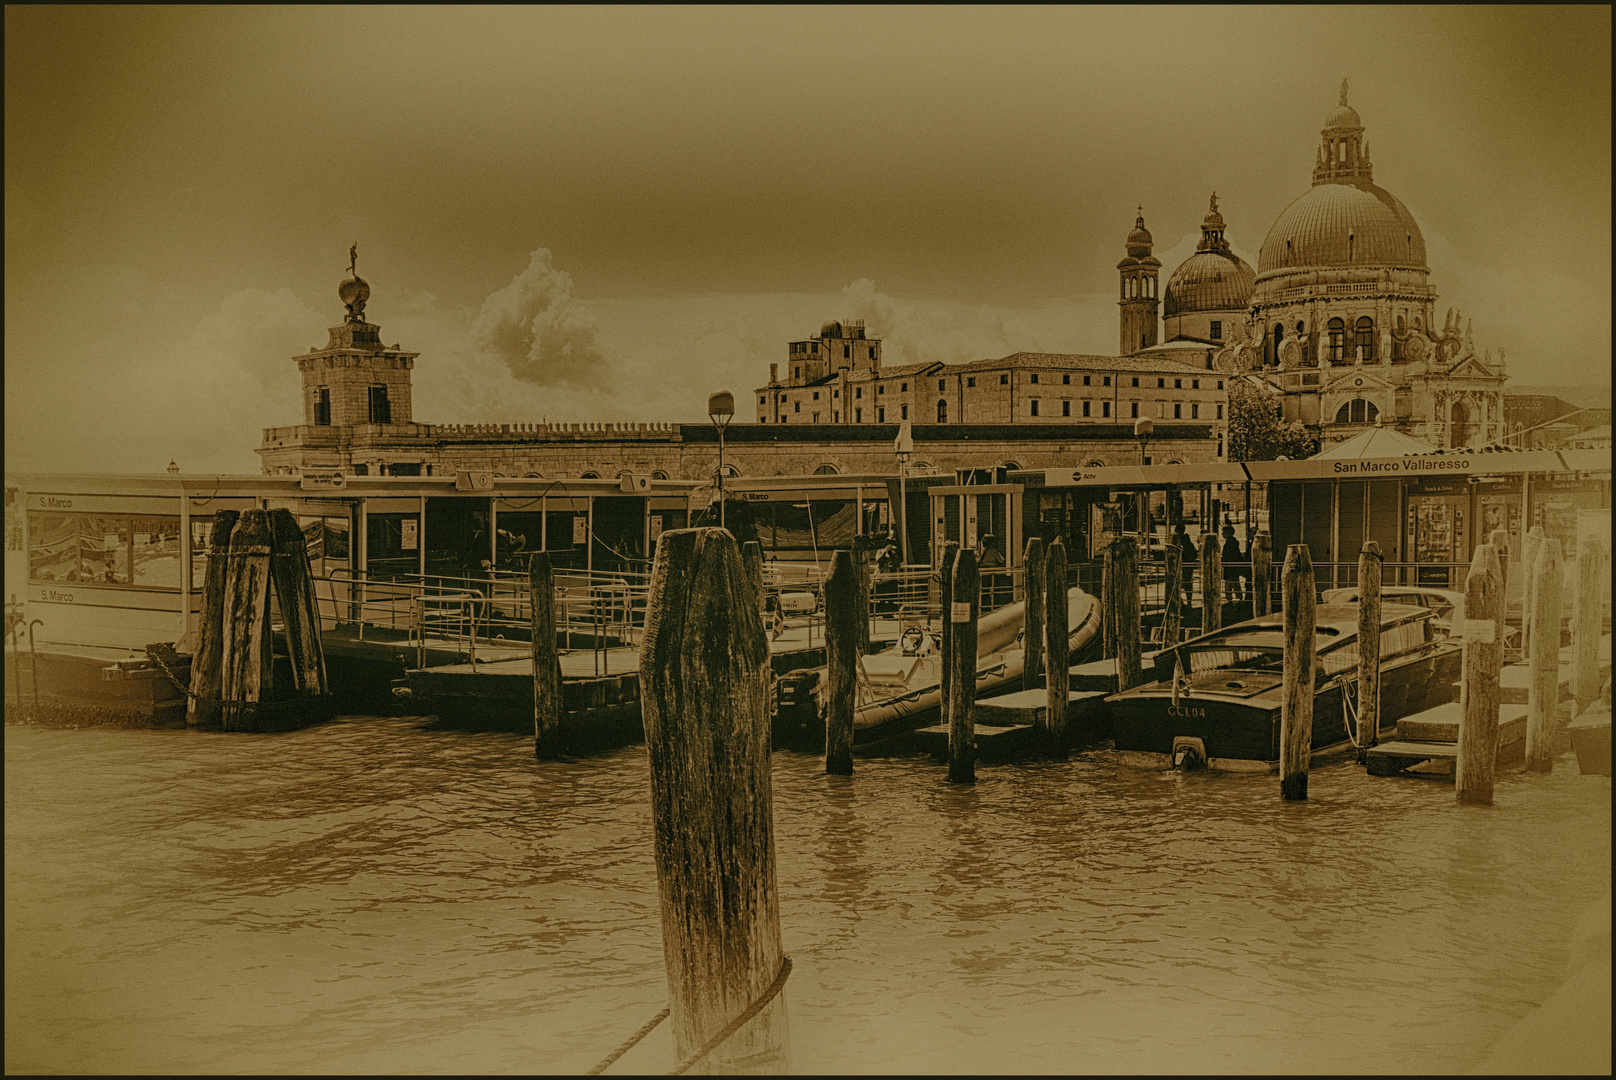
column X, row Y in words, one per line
column 606, row 213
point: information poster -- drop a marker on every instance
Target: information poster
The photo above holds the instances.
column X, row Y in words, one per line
column 580, row 529
column 1501, row 511
column 409, row 534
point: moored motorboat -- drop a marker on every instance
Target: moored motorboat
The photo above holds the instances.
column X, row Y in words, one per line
column 1216, row 699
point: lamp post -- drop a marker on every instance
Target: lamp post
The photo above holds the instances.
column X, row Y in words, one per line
column 720, row 408
column 1143, row 428
column 904, row 445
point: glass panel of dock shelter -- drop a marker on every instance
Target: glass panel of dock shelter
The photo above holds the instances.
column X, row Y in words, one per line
column 53, row 547
column 104, row 550
column 457, row 541
column 392, row 544
column 566, row 533
column 1438, row 531
column 877, row 518
column 1318, row 530
column 518, row 532
column 619, row 534
column 156, row 547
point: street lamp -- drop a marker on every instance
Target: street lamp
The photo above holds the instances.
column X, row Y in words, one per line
column 1143, row 428
column 904, row 444
column 720, row 408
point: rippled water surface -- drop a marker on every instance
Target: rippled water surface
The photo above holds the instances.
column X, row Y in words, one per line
column 378, row 896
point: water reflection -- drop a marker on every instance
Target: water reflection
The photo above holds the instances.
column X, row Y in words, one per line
column 374, row 896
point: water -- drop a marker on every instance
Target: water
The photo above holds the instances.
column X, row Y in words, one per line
column 376, row 896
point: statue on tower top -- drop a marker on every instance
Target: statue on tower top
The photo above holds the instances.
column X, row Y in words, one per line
column 353, row 258
column 1214, row 202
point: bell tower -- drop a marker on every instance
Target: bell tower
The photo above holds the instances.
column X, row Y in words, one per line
column 354, row 379
column 1140, row 301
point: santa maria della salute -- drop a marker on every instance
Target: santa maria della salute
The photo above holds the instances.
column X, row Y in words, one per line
column 1338, row 325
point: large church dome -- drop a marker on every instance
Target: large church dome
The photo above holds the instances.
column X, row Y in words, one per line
column 1343, row 223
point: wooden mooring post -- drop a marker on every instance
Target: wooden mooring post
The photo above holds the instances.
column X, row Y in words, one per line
column 1585, row 621
column 202, row 708
column 1173, row 612
column 752, row 559
column 863, row 552
column 1108, row 600
column 1125, row 610
column 841, row 656
column 1057, row 653
column 1531, row 545
column 1543, row 690
column 959, row 665
column 293, row 579
column 945, row 593
column 1262, row 560
column 246, row 662
column 1483, row 658
column 1296, row 717
column 1211, row 583
column 546, row 660
column 704, row 677
column 1032, row 627
column 1369, row 564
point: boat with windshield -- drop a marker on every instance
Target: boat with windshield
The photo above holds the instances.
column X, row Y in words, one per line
column 1216, row 699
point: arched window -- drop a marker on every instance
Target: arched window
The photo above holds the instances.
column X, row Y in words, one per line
column 1010, row 465
column 730, row 470
column 827, row 470
column 1338, row 341
column 1365, row 340
column 532, row 476
column 1095, row 464
column 942, row 412
column 658, row 474
column 591, row 475
column 1357, row 411
column 1397, row 345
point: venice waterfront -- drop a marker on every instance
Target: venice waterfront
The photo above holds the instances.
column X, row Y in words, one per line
column 379, row 895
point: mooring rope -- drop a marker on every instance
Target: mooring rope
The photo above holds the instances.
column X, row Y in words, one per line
column 729, row 1029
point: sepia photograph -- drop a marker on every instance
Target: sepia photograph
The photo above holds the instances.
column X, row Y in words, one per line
column 938, row 539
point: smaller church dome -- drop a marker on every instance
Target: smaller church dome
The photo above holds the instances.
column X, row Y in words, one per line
column 831, row 329
column 1209, row 281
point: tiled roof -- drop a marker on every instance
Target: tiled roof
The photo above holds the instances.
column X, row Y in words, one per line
column 1079, row 361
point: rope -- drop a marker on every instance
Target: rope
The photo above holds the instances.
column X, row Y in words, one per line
column 1350, row 719
column 729, row 1029
column 261, row 707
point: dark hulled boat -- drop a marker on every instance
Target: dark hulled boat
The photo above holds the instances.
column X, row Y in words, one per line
column 1225, row 707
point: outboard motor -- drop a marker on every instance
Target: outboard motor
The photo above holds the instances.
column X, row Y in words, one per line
column 1188, row 752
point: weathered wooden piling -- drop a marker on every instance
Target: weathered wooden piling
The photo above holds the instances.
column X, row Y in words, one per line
column 1057, row 656
column 293, row 581
column 752, row 559
column 841, row 655
column 1032, row 627
column 202, row 708
column 1108, row 600
column 546, row 660
column 1296, row 717
column 1543, row 692
column 945, row 593
column 1531, row 545
column 705, row 698
column 1483, row 657
column 959, row 664
column 1369, row 565
column 246, row 663
column 863, row 553
column 1125, row 610
column 1499, row 539
column 1173, row 613
column 1211, row 583
column 1262, row 559
column 1585, row 621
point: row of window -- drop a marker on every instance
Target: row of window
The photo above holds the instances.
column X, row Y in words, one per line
column 1032, row 410
column 1343, row 344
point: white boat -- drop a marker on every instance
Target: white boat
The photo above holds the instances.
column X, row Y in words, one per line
column 901, row 688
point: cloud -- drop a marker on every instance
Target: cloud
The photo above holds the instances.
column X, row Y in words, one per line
column 540, row 331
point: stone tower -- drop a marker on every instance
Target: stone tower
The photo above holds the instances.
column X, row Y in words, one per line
column 1139, row 301
column 355, row 380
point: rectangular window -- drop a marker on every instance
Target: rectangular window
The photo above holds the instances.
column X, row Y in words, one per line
column 858, row 416
column 1178, row 411
column 1220, row 412
column 815, row 419
column 1195, row 412
column 1004, row 380
column 942, row 384
column 1220, row 384
column 1034, row 404
column 1135, row 408
column 1085, row 408
column 381, row 410
column 1136, row 380
column 1066, row 408
column 1106, row 381
column 761, row 401
column 835, row 417
column 322, row 405
column 1217, row 330
column 1195, row 384
column 1161, row 384
column 903, row 388
column 816, row 395
column 1066, row 380
column 106, row 549
column 1178, row 384
column 971, row 381
column 835, row 393
column 880, row 416
column 796, row 406
column 903, row 412
column 1035, row 378
column 858, row 392
column 847, row 352
column 1086, row 380
column 880, row 388
column 1161, row 410
column 1105, row 408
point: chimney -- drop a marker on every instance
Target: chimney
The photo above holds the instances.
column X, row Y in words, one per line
column 774, row 374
